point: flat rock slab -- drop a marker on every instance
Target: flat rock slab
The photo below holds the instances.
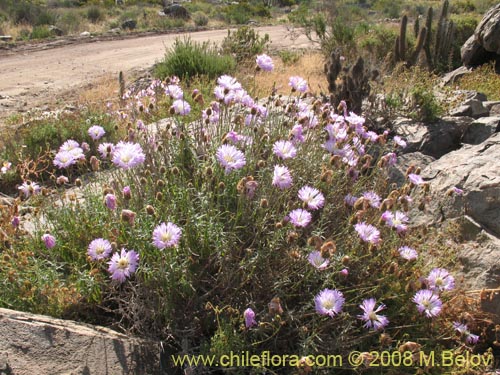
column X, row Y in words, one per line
column 39, row 345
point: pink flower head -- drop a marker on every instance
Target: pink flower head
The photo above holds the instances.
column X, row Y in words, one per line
column 166, row 235
column 372, row 198
column 312, row 197
column 64, row 159
column 317, row 260
column 230, row 158
column 300, row 217
column 15, row 221
column 397, row 220
column 106, row 149
column 408, row 253
column 284, row 149
column 181, row 107
column 265, row 63
column 464, row 331
column 29, row 188
column 428, row 302
column 399, row 141
column 249, row 316
column 282, row 177
column 123, row 264
column 96, row 132
column 110, row 201
column 6, row 166
column 372, row 320
column 49, row 240
column 368, row 233
column 174, row 91
column 128, row 155
column 440, row 279
column 298, row 84
column 415, row 179
column 329, row 302
column 99, row 249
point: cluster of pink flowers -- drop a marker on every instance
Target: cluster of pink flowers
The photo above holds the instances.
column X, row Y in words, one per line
column 69, row 153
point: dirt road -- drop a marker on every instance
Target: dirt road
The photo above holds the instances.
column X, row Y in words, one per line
column 33, row 78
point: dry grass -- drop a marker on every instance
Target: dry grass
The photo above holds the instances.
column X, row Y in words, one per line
column 483, row 79
column 98, row 93
column 309, row 67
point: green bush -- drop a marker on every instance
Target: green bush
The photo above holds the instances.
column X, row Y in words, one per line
column 200, row 19
column 188, row 59
column 41, row 32
column 289, row 57
column 242, row 13
column 94, row 14
column 30, row 13
column 239, row 240
column 70, row 21
column 244, row 44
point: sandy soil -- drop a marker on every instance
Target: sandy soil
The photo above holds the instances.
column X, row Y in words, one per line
column 34, row 77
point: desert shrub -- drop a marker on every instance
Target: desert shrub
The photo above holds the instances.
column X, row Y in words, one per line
column 188, row 59
column 166, row 23
column 378, row 42
column 41, row 32
column 70, row 21
column 241, row 13
column 223, row 215
column 289, row 57
column 200, row 19
column 31, row 13
column 244, row 44
column 94, row 14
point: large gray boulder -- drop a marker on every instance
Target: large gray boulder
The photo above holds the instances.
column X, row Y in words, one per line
column 37, row 344
column 484, row 45
column 433, row 139
column 476, row 170
column 481, row 129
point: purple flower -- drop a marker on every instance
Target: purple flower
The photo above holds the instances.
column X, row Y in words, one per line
column 265, row 63
column 49, row 240
column 140, row 125
column 317, row 260
column 96, row 132
column 166, row 235
column 230, row 157
column 368, row 233
column 397, row 221
column 464, row 331
column 106, row 149
column 408, row 253
column 329, row 302
column 298, row 84
column 297, row 133
column 344, row 272
column 174, row 91
column 415, row 179
column 372, row 320
column 249, row 316
column 372, row 198
column 123, row 264
column 64, row 159
column 110, row 201
column 128, row 155
column 300, row 217
column 282, row 177
column 428, row 302
column 228, row 82
column 350, row 200
column 6, row 166
column 391, row 159
column 312, row 197
column 458, row 191
column 126, row 192
column 181, row 107
column 15, row 221
column 29, row 189
column 399, row 141
column 439, row 279
column 99, row 249
column 284, row 149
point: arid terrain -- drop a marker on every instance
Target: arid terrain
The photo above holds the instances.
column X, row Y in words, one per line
column 39, row 75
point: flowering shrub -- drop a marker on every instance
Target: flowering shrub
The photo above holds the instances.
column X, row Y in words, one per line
column 262, row 225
